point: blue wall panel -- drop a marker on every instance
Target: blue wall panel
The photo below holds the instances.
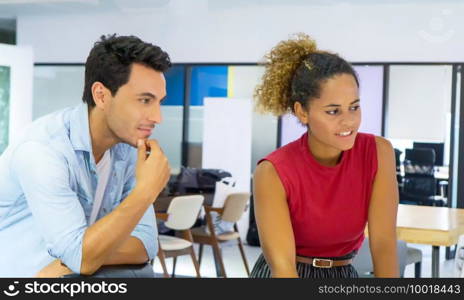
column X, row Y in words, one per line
column 208, row 81
column 175, row 86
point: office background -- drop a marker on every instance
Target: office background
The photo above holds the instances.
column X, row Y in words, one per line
column 410, row 52
column 405, row 102
column 414, row 47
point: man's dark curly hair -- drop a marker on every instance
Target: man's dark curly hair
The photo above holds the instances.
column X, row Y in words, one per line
column 110, row 62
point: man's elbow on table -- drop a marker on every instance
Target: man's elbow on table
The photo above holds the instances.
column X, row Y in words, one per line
column 91, row 261
column 89, row 268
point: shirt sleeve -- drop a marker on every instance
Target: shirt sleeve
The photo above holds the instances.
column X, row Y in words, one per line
column 146, row 230
column 43, row 174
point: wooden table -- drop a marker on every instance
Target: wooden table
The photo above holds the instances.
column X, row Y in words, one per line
column 429, row 225
column 119, row 271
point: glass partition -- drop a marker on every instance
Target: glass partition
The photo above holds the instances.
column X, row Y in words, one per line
column 56, row 87
column 419, row 106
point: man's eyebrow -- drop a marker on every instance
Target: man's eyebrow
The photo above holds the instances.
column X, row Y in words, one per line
column 338, row 105
column 147, row 94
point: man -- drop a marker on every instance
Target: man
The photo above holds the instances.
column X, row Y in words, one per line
column 74, row 193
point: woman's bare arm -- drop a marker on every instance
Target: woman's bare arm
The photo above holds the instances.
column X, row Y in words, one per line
column 383, row 209
column 273, row 219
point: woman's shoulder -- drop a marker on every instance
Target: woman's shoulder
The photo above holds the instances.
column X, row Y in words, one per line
column 377, row 148
column 384, row 147
column 368, row 139
column 284, row 153
column 370, row 136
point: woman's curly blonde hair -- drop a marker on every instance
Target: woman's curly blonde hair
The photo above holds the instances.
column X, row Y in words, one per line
column 293, row 72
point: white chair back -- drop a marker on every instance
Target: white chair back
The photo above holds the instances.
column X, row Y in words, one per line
column 234, row 206
column 183, row 212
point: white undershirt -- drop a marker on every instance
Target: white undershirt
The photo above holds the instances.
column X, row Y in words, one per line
column 103, row 173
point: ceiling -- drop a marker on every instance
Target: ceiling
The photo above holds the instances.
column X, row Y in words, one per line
column 14, row 8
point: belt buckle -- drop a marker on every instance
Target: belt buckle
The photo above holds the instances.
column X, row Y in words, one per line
column 320, row 260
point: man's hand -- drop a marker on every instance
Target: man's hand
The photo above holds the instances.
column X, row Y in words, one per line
column 152, row 170
column 110, row 232
column 54, row 270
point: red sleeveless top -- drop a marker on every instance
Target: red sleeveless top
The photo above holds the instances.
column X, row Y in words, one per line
column 328, row 205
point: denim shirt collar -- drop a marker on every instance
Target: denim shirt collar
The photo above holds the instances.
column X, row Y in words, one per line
column 79, row 128
column 79, row 135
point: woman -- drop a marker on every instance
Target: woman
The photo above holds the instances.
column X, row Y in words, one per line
column 314, row 196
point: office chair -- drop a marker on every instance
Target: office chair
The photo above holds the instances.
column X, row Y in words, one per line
column 181, row 215
column 363, row 264
column 234, row 207
column 399, row 178
column 419, row 183
column 438, row 148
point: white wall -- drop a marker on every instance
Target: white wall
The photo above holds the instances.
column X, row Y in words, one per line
column 20, row 61
column 227, row 143
column 242, row 31
column 242, row 81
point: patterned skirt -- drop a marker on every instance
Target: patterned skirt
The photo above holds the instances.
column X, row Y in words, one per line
column 262, row 270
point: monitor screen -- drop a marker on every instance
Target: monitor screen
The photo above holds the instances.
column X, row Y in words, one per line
column 438, row 147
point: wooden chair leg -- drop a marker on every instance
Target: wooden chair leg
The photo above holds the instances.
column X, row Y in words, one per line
column 195, row 262
column 174, row 267
column 242, row 252
column 217, row 252
column 163, row 262
column 200, row 253
column 216, row 264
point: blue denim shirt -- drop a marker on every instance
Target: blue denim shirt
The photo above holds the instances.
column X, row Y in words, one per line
column 47, row 186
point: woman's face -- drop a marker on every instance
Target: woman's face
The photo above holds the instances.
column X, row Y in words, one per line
column 335, row 116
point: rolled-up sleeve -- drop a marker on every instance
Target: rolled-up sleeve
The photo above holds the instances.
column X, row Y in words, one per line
column 146, row 230
column 43, row 174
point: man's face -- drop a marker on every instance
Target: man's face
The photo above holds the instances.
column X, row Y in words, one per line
column 135, row 109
